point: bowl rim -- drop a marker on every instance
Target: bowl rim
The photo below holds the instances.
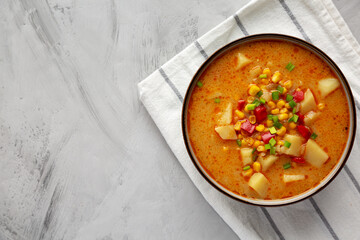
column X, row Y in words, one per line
column 294, row 40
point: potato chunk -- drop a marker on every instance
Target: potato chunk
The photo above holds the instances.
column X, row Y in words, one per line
column 314, row 154
column 267, row 161
column 292, row 178
column 242, row 61
column 226, row 115
column 259, row 183
column 310, row 117
column 246, row 155
column 308, row 103
column 327, row 85
column 296, row 142
column 226, row 132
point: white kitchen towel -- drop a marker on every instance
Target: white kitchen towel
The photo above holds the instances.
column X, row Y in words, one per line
column 335, row 211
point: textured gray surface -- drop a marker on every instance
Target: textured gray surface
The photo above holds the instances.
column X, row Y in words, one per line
column 80, row 158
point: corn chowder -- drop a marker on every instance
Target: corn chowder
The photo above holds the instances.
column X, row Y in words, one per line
column 268, row 120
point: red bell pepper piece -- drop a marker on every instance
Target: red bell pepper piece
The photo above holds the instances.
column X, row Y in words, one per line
column 301, row 118
column 248, row 127
column 260, row 113
column 298, row 96
column 241, row 104
column 304, row 131
column 267, row 136
column 298, row 159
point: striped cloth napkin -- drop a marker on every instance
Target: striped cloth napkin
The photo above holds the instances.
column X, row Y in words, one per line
column 332, row 213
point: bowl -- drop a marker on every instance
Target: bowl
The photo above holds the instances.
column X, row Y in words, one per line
column 352, row 128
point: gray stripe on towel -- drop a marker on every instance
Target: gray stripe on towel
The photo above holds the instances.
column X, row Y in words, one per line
column 241, row 26
column 272, row 223
column 197, row 44
column 171, row 84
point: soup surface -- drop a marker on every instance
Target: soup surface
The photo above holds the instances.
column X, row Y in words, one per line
column 268, row 120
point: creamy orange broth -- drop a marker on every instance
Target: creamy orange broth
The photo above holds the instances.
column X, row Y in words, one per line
column 221, row 158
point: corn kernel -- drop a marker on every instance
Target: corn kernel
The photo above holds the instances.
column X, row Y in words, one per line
column 225, row 148
column 253, row 90
column 292, row 125
column 263, row 87
column 240, row 114
column 261, row 148
column 281, row 131
column 276, row 77
column 266, row 130
column 256, row 144
column 283, row 116
column 280, row 103
column 250, row 99
column 243, row 142
column 281, row 142
column 287, row 105
column 260, row 127
column 271, row 104
column 283, row 110
column 258, row 137
column 250, row 141
column 237, row 126
column 269, row 123
column 288, row 84
column 248, row 173
column 265, row 81
column 252, row 119
column 267, row 71
column 321, row 106
column 240, row 136
column 282, row 82
column 257, row 166
column 291, row 115
column 285, row 90
column 275, row 111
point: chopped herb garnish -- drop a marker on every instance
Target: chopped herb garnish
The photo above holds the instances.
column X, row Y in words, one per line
column 263, row 101
column 275, row 95
column 256, row 102
column 254, row 157
column 287, row 144
column 314, row 136
column 246, row 168
column 259, row 94
column 272, row 130
column 217, row 100
column 267, row 146
column 277, row 125
column 251, row 106
column 294, row 110
column 275, row 118
column 290, row 66
column 287, row 165
column 280, row 89
column 253, row 151
column 289, row 98
column 199, row 84
column 270, row 117
column 294, row 118
column 263, row 76
column 292, row 104
column 272, row 151
column 238, row 142
column 272, row 142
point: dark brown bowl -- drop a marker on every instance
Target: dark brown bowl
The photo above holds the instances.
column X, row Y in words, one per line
column 335, row 171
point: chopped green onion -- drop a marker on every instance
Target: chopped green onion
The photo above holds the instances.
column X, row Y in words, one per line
column 256, row 102
column 238, row 142
column 263, row 101
column 263, row 76
column 292, row 104
column 287, row 165
column 254, row 157
column 275, row 95
column 275, row 118
column 277, row 125
column 259, row 94
column 217, row 100
column 272, row 142
column 272, row 130
column 267, row 146
column 199, row 84
column 294, row 118
column 280, row 89
column 287, row 144
column 313, row 136
column 289, row 98
column 251, row 106
column 272, row 151
column 270, row 117
column 294, row 110
column 290, row 66
column 246, row 168
column 253, row 151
